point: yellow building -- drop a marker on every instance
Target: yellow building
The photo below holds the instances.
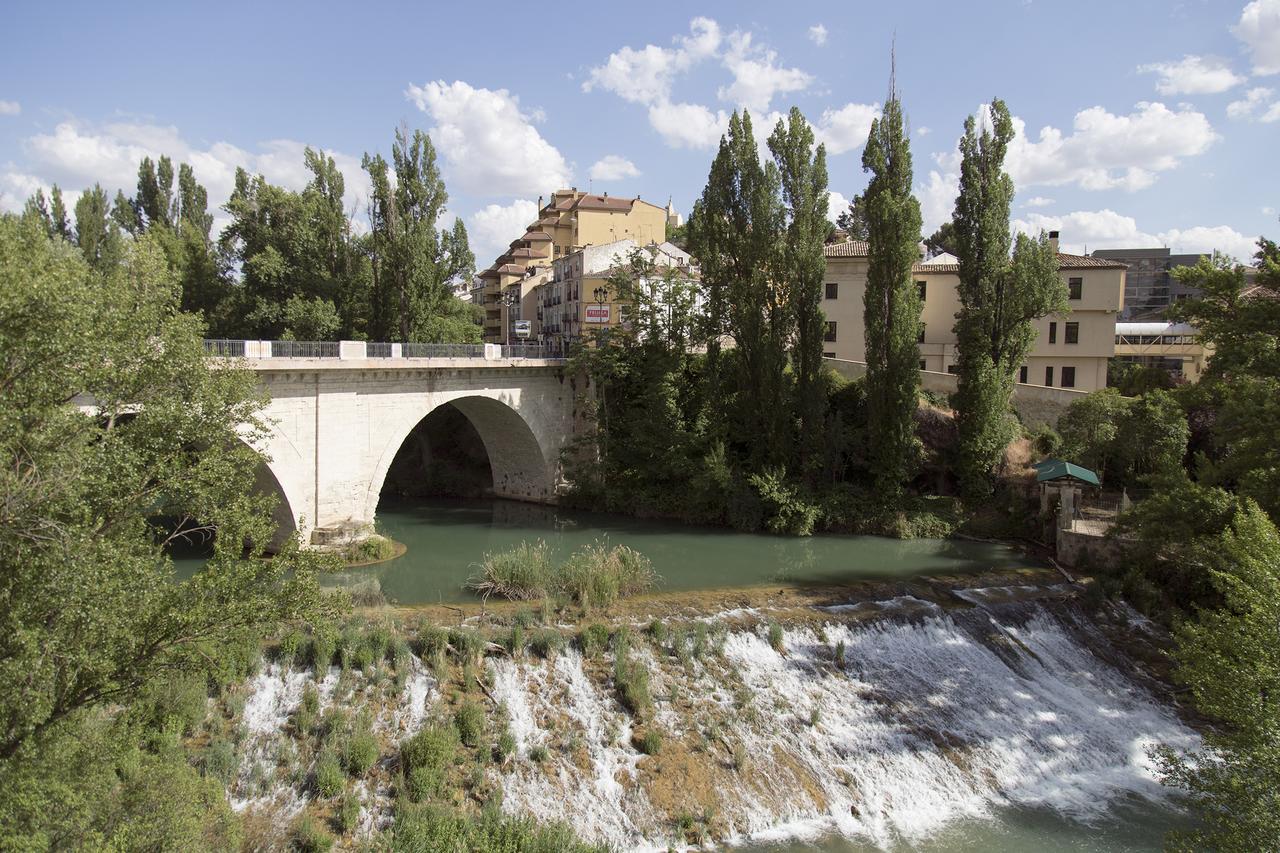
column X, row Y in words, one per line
column 1071, row 350
column 570, row 221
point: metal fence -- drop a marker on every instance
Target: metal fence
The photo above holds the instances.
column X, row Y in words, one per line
column 226, row 349
column 372, row 349
column 304, row 349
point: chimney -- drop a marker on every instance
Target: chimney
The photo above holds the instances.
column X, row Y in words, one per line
column 1053, row 241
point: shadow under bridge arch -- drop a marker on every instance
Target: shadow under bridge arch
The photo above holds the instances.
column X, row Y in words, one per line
column 519, row 458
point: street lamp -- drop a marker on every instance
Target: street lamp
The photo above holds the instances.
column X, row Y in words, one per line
column 511, row 298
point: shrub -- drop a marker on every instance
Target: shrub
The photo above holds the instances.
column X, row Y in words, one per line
column 219, row 761
column 522, row 573
column 538, row 754
column 785, row 511
column 505, row 747
column 290, row 647
column 348, row 815
column 547, row 642
column 309, row 836
column 361, row 750
column 658, row 632
column 329, row 777
column 425, row 829
column 320, row 653
column 632, row 682
column 516, row 641
column 435, row 746
column 469, row 720
column 840, row 661
column 373, row 549
column 775, row 638
column 593, row 639
column 651, row 743
column 178, row 704
column 432, row 641
column 467, row 644
column 378, row 640
column 426, row 783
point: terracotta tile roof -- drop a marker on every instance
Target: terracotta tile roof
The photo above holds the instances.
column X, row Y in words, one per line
column 536, row 236
column 1259, row 291
column 511, row 269
column 850, row 249
column 491, row 272
column 602, row 202
column 937, row 268
column 547, row 220
column 1072, row 262
column 524, row 253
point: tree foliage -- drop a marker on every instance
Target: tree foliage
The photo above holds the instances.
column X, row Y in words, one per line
column 1000, row 294
column 891, row 302
column 92, row 612
column 853, row 220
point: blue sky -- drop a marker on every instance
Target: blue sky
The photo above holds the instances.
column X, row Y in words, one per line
column 1141, row 123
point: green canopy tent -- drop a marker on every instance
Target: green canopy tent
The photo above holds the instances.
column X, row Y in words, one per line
column 1061, row 471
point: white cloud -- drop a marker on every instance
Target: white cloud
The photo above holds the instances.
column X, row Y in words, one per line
column 688, row 125
column 846, row 129
column 836, row 204
column 1037, row 201
column 818, row 34
column 1193, row 75
column 924, row 131
column 1268, row 211
column 16, row 187
column 645, row 76
column 1105, row 229
column 492, row 228
column 613, row 168
column 489, row 146
column 1259, row 29
column 757, row 78
column 937, row 197
column 1249, row 104
column 77, row 154
column 1104, row 151
column 10, row 108
column 1272, row 114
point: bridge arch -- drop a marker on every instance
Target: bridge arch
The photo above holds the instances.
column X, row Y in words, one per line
column 523, row 453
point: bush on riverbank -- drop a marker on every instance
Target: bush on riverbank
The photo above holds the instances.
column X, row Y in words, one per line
column 594, row 576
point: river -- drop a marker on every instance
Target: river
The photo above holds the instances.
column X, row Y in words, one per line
column 447, row 538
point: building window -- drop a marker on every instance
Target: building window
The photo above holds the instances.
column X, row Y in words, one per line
column 828, row 355
column 1022, row 374
column 922, row 285
column 833, row 290
column 1074, row 286
column 1072, row 334
column 923, row 365
column 920, row 336
column 1048, row 377
column 953, row 369
column 1068, row 377
column 830, row 335
column 1053, row 333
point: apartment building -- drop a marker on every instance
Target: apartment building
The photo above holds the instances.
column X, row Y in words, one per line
column 578, row 299
column 570, row 221
column 1071, row 350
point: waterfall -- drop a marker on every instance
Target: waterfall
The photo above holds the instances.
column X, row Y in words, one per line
column 935, row 717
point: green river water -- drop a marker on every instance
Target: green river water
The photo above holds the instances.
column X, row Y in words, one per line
column 447, row 538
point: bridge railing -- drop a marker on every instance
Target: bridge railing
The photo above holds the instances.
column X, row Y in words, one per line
column 371, row 349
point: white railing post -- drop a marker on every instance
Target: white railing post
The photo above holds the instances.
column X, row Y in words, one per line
column 352, row 350
column 492, row 352
column 397, row 350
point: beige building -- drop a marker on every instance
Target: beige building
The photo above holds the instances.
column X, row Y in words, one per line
column 577, row 299
column 570, row 221
column 1071, row 350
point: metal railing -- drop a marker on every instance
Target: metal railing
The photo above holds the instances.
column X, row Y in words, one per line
column 224, row 348
column 372, row 349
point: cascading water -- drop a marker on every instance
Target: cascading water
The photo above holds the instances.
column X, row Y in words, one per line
column 886, row 731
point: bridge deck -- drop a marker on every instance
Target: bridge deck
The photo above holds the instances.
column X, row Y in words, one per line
column 294, row 365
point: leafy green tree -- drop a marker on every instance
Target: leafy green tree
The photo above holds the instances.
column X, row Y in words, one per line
column 125, row 213
column 193, row 204
column 36, row 210
column 737, row 231
column 1089, row 428
column 1229, row 657
column 97, row 233
column 59, row 225
column 892, row 302
column 853, row 221
column 999, row 297
column 802, row 175
column 93, row 613
column 942, row 240
column 413, row 263
column 154, row 200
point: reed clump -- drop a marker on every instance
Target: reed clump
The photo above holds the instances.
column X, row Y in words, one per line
column 594, row 576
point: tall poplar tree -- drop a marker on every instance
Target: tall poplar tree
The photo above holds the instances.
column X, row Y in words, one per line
column 891, row 301
column 802, row 173
column 97, row 233
column 999, row 297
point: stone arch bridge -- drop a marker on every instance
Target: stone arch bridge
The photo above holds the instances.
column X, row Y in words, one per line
column 339, row 413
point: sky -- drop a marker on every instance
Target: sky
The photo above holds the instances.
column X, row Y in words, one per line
column 1139, row 122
